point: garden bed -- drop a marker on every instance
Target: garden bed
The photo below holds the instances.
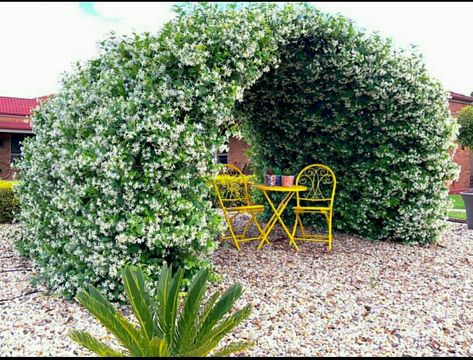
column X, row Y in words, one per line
column 362, row 299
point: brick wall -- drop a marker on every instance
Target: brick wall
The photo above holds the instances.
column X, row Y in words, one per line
column 5, row 155
column 462, row 157
column 6, row 121
column 236, row 152
column 456, row 106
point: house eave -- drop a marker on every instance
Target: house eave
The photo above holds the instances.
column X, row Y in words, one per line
column 16, row 131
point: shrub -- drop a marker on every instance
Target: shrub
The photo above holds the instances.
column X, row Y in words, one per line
column 7, row 184
column 165, row 328
column 233, row 184
column 118, row 170
column 465, row 134
column 370, row 112
column 9, row 204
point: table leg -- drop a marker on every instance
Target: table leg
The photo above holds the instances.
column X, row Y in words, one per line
column 270, row 224
column 275, row 217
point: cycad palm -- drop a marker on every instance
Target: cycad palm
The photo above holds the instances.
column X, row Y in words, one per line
column 165, row 328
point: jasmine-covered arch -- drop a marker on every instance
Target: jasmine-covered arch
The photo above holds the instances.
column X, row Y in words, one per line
column 118, row 170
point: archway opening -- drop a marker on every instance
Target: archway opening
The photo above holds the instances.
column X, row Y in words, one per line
column 334, row 99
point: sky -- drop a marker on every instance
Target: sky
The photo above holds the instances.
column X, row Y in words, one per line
column 40, row 41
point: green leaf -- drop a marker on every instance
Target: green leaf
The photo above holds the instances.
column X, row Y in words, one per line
column 168, row 297
column 103, row 311
column 216, row 334
column 223, row 306
column 233, row 348
column 230, row 323
column 195, row 331
column 139, row 338
column 88, row 341
column 188, row 321
column 139, row 299
column 158, row 348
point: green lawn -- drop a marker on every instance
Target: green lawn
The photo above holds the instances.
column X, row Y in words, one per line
column 458, row 211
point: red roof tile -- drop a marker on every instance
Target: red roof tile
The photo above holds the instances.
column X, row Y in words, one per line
column 461, row 97
column 18, row 106
column 10, row 122
column 15, row 125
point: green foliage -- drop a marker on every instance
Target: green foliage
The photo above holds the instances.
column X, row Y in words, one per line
column 367, row 110
column 9, row 204
column 165, row 327
column 117, row 172
column 7, row 184
column 465, row 134
column 234, row 185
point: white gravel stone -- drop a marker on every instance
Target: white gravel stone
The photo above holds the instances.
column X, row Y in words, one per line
column 362, row 299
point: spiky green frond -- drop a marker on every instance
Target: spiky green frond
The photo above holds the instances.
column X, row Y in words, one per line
column 139, row 300
column 233, row 348
column 106, row 314
column 89, row 342
column 224, row 327
column 208, row 306
column 158, row 348
column 218, row 311
column 187, row 324
column 165, row 328
column 168, row 301
column 212, row 337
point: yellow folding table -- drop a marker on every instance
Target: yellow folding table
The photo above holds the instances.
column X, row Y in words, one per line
column 277, row 211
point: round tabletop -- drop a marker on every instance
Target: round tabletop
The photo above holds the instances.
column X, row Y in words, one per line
column 293, row 188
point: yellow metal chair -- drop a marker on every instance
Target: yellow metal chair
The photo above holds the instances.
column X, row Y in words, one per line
column 318, row 199
column 231, row 187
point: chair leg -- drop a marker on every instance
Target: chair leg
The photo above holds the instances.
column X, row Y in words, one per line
column 329, row 218
column 302, row 227
column 258, row 226
column 294, row 229
column 298, row 222
column 247, row 226
column 232, row 233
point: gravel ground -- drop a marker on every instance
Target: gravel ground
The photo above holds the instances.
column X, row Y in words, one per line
column 362, row 299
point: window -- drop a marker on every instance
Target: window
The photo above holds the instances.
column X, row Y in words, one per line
column 222, row 158
column 16, row 140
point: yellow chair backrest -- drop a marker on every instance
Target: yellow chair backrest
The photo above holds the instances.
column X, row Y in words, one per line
column 231, row 187
column 320, row 181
